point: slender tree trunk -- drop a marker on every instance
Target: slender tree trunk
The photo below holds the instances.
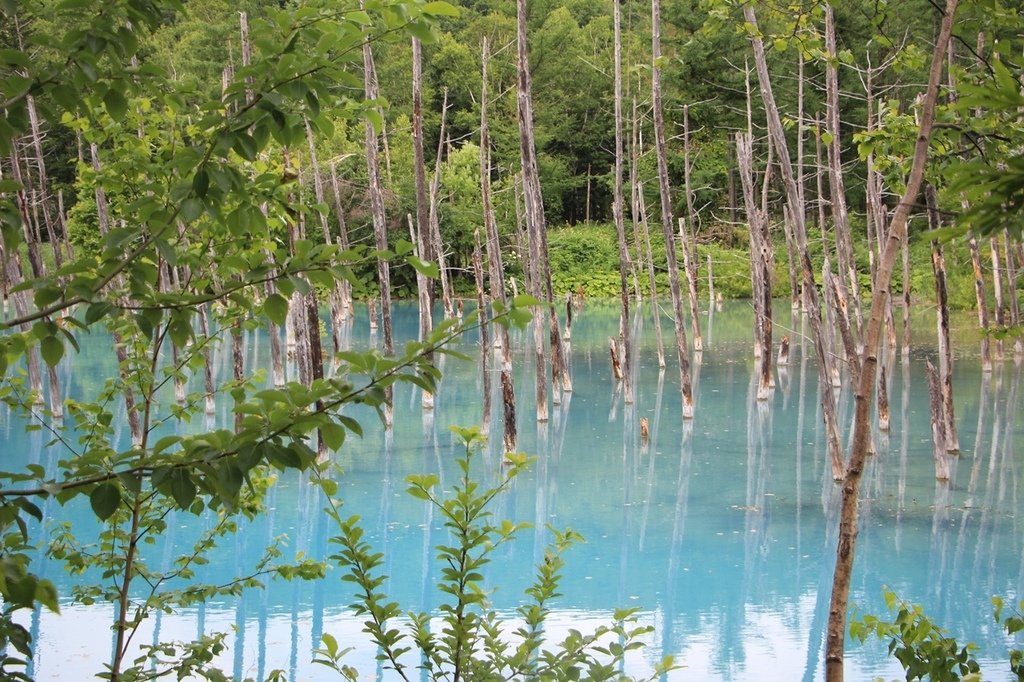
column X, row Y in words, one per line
column 485, row 336
column 997, row 290
column 379, row 223
column 435, row 223
column 535, row 207
column 982, row 304
column 758, row 270
column 1011, row 278
column 688, row 236
column 660, row 144
column 422, row 234
column 952, row 439
column 837, row 185
column 652, row 282
column 810, row 290
column 938, row 420
column 495, row 268
column 618, row 211
column 819, row 171
column 343, row 243
column 896, row 235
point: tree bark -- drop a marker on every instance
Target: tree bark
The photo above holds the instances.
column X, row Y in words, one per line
column 496, row 273
column 810, row 290
column 660, row 144
column 618, row 211
column 535, row 209
column 952, row 439
column 379, row 223
column 421, row 236
column 688, row 235
column 896, row 235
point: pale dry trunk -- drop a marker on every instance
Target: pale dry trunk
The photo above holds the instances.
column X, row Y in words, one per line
column 652, row 282
column 485, row 336
column 496, row 271
column 688, row 236
column 45, row 190
column 380, row 227
column 883, row 399
column 421, row 235
column 938, row 421
column 981, row 303
column 905, row 262
column 661, row 149
column 437, row 245
column 952, row 438
column 1011, row 279
column 810, row 290
column 761, row 286
column 819, row 172
column 837, row 185
column 536, row 226
column 618, row 212
column 997, row 291
column 345, row 289
column 846, row 548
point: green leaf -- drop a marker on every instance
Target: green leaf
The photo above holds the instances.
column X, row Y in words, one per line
column 115, row 103
column 104, row 500
column 440, row 9
column 333, row 435
column 183, row 490
column 52, row 350
column 276, row 308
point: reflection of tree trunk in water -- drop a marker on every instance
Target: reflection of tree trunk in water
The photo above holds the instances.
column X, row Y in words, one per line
column 984, row 395
column 650, row 448
column 679, row 514
column 799, row 437
column 819, row 619
column 540, row 502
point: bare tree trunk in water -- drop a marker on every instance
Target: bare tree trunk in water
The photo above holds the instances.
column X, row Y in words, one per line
column 343, row 244
column 846, row 548
column 682, row 352
column 761, row 286
column 485, row 336
column 435, row 225
column 496, row 272
column 837, row 187
column 688, row 235
column 618, row 211
column 380, row 227
column 422, row 235
column 951, row 439
column 535, row 208
column 810, row 290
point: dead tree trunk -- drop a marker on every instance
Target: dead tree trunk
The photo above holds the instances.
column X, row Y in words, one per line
column 1011, row 278
column 760, row 278
column 837, row 185
column 660, row 144
column 535, row 208
column 810, row 290
column 496, row 270
column 652, row 281
column 982, row 305
column 422, row 234
column 485, row 336
column 379, row 223
column 618, row 211
column 846, row 548
column 435, row 223
column 343, row 244
column 952, row 439
column 688, row 236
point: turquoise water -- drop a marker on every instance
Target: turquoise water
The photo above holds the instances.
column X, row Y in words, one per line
column 722, row 535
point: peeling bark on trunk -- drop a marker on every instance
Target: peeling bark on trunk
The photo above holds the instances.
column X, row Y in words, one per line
column 810, row 290
column 660, row 144
column 759, row 264
column 938, row 421
column 535, row 213
column 496, row 273
column 421, row 236
column 982, row 305
column 883, row 399
column 618, row 212
column 952, row 439
column 896, row 236
column 379, row 224
column 837, row 186
column 688, row 237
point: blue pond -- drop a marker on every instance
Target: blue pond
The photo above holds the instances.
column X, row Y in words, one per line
column 721, row 532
